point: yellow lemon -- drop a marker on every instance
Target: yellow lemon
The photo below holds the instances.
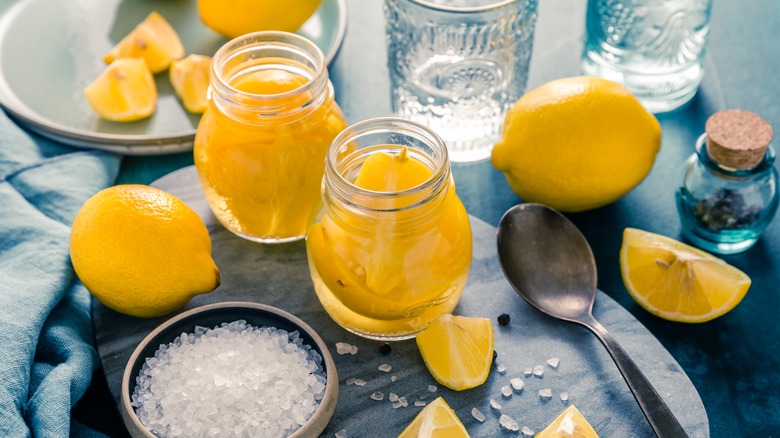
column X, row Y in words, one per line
column 576, row 144
column 234, row 18
column 153, row 40
column 124, row 92
column 437, row 420
column 190, row 80
column 458, row 350
column 141, row 251
column 676, row 281
column 569, row 424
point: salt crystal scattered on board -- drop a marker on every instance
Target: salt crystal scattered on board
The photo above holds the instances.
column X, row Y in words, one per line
column 353, row 350
column 360, row 382
column 419, row 403
column 545, row 393
column 385, row 368
column 527, row 431
column 351, row 381
column 517, row 384
column 528, row 372
column 553, row 362
column 341, row 434
column 343, row 348
column 506, row 391
column 393, row 378
column 476, row 413
column 403, row 401
column 393, row 397
column 564, row 397
column 539, row 371
column 508, row 423
column 397, row 405
column 501, row 368
column 377, row 396
column 495, row 405
column 432, row 388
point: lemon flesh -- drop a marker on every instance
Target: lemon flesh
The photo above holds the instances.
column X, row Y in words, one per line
column 458, row 350
column 190, row 80
column 676, row 281
column 569, row 424
column 234, row 18
column 576, row 144
column 124, row 92
column 141, row 251
column 437, row 420
column 154, row 40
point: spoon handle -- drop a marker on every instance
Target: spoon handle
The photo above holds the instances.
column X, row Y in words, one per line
column 658, row 414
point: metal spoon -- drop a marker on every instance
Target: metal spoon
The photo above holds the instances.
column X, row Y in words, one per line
column 549, row 263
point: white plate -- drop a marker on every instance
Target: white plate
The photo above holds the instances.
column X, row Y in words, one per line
column 51, row 49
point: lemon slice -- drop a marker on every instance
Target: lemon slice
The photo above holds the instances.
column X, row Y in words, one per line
column 190, row 79
column 458, row 350
column 437, row 420
column 676, row 281
column 570, row 424
column 124, row 92
column 154, row 40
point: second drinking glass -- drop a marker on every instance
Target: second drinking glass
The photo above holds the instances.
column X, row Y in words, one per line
column 260, row 146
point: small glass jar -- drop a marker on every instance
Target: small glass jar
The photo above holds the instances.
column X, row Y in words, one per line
column 389, row 249
column 724, row 206
column 260, row 146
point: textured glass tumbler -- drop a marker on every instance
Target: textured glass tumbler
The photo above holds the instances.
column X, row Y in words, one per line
column 655, row 48
column 457, row 66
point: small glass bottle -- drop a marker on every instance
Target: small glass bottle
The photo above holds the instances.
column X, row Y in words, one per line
column 390, row 246
column 260, row 146
column 729, row 191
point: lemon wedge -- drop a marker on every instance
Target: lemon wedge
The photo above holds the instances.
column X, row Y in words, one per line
column 437, row 420
column 458, row 350
column 153, row 40
column 124, row 92
column 570, row 424
column 676, row 281
column 190, row 80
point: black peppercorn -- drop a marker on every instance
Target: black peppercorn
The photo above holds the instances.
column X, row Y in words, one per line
column 384, row 348
column 503, row 319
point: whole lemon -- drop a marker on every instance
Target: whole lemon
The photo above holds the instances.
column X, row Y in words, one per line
column 234, row 18
column 141, row 251
column 576, row 144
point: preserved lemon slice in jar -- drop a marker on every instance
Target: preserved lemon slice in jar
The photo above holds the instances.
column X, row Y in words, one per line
column 124, row 92
column 153, row 40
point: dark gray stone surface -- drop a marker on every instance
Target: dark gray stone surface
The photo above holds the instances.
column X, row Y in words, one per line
column 278, row 275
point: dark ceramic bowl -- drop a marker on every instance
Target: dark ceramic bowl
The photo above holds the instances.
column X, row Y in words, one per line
column 212, row 315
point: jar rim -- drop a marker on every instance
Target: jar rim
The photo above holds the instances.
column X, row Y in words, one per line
column 498, row 4
column 704, row 156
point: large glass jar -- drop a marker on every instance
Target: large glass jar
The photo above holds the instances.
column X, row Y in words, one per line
column 260, row 146
column 389, row 249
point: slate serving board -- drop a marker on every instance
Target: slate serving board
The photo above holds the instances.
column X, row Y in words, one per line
column 279, row 276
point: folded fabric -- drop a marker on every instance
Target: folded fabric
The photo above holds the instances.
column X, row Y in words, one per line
column 47, row 355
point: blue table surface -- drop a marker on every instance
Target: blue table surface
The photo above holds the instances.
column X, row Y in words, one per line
column 732, row 360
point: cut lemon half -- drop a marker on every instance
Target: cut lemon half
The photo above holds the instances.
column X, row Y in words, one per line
column 437, row 420
column 570, row 424
column 676, row 281
column 190, row 79
column 458, row 350
column 124, row 92
column 154, row 40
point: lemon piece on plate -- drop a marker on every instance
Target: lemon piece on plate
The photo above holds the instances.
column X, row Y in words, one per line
column 437, row 420
column 124, row 92
column 190, row 79
column 570, row 424
column 154, row 40
column 141, row 251
column 676, row 281
column 458, row 350
column 239, row 17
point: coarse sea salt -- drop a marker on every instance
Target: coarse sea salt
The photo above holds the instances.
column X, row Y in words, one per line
column 235, row 379
column 553, row 362
column 545, row 394
column 476, row 413
column 564, row 397
column 506, row 391
column 539, row 371
column 508, row 423
column 517, row 384
column 385, row 368
column 495, row 405
column 341, row 434
column 527, row 431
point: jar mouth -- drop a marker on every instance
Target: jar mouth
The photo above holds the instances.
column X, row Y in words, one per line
column 269, row 50
column 382, row 134
column 704, row 156
column 473, row 6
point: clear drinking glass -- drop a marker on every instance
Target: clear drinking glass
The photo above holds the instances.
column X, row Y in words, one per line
column 655, row 48
column 457, row 66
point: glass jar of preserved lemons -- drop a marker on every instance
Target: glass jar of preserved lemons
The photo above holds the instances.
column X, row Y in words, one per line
column 260, row 146
column 389, row 249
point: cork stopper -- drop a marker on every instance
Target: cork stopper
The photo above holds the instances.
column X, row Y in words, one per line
column 737, row 139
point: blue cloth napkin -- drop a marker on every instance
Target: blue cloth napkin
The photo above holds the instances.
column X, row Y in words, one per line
column 47, row 353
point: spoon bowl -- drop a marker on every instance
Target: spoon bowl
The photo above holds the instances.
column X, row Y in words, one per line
column 550, row 264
